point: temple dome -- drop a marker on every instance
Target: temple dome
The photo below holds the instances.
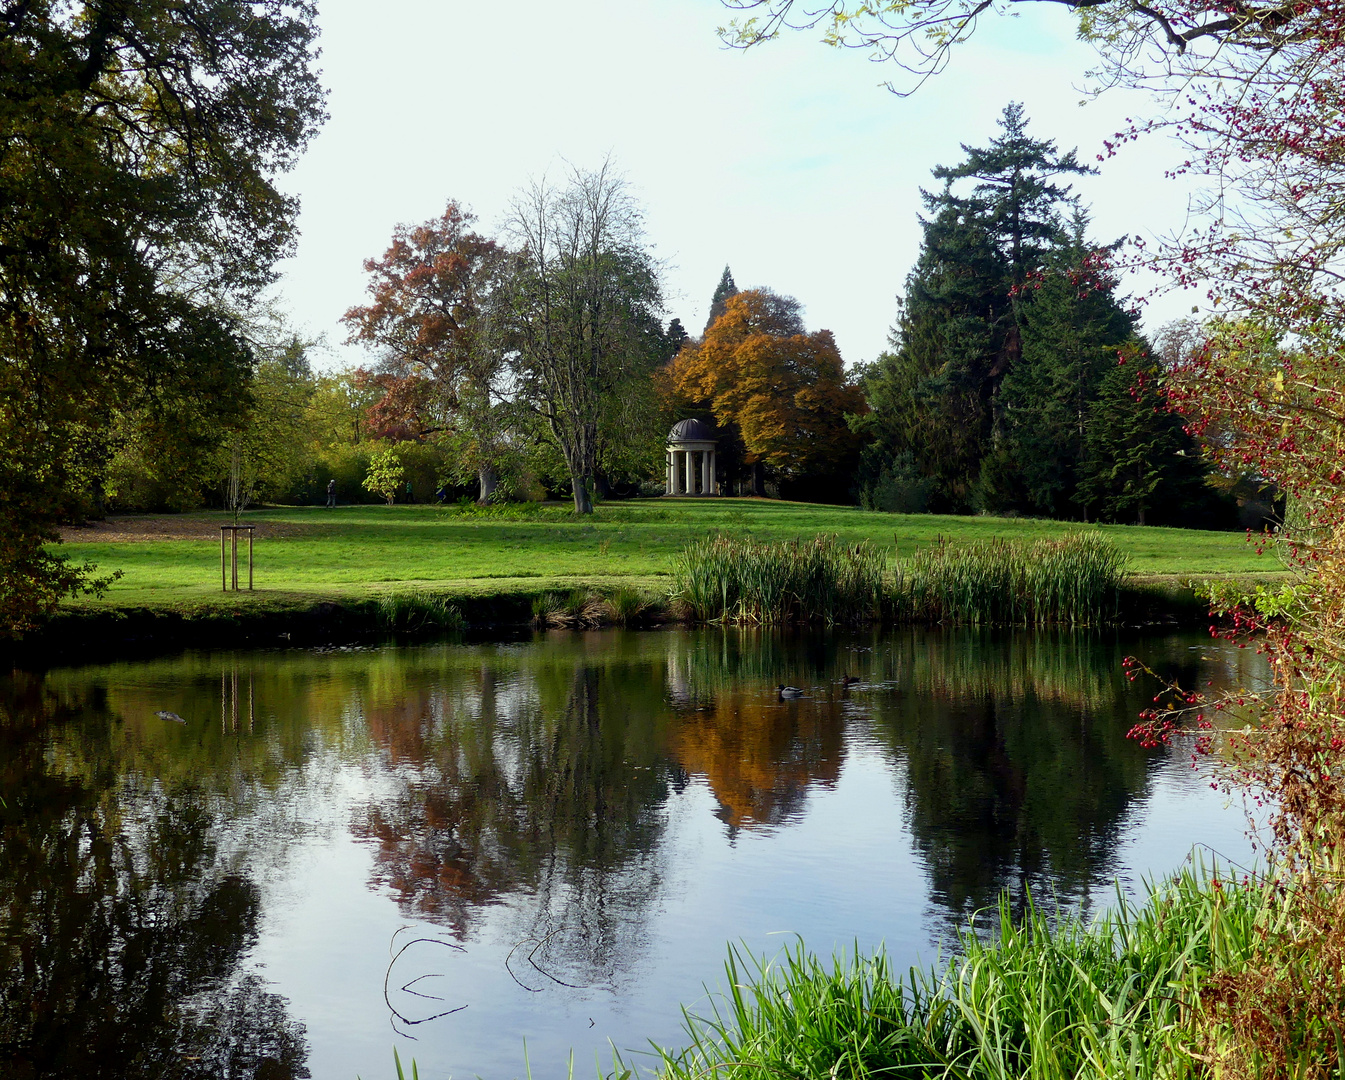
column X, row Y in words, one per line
column 692, row 431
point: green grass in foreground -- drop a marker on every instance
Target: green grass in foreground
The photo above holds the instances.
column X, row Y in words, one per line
column 358, row 550
column 1117, row 998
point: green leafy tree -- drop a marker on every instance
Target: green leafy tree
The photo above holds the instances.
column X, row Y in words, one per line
column 386, row 474
column 580, row 312
column 136, row 204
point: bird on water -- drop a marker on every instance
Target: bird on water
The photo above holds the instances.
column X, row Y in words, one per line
column 789, row 691
column 164, row 714
column 849, row 680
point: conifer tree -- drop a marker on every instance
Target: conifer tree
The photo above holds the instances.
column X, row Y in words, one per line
column 675, row 337
column 1072, row 327
column 1140, row 465
column 961, row 322
column 723, row 291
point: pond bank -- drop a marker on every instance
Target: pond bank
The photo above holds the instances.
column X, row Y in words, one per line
column 272, row 618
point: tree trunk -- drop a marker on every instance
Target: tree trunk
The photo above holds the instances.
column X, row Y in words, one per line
column 758, row 479
column 582, row 503
column 486, row 475
column 600, row 486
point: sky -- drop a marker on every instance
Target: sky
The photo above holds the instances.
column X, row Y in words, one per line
column 790, row 163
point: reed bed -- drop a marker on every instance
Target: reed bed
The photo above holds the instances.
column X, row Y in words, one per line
column 741, row 580
column 1119, row 997
column 417, row 613
column 1073, row 581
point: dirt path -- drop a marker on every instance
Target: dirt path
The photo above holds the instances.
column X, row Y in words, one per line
column 137, row 529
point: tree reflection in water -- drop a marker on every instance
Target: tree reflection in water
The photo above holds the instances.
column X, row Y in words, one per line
column 1018, row 772
column 121, row 932
column 543, row 781
column 543, row 786
column 536, row 795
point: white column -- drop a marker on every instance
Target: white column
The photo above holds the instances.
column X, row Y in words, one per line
column 706, row 489
column 689, row 474
column 712, row 485
column 668, row 473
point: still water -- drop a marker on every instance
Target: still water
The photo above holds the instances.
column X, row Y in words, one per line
column 458, row 848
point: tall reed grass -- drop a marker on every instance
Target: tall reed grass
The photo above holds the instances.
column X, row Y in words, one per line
column 1119, row 997
column 417, row 613
column 1073, row 581
column 742, row 580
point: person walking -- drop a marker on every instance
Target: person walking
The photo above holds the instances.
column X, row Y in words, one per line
column 331, row 493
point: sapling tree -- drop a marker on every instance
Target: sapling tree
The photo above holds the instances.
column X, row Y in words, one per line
column 386, row 474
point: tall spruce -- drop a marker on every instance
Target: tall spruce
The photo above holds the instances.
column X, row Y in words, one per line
column 1073, row 327
column 959, row 331
column 723, row 291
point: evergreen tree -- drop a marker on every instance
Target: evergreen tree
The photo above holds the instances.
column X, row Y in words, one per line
column 1015, row 195
column 960, row 330
column 1072, row 328
column 1140, row 464
column 931, row 395
column 675, row 338
column 723, row 291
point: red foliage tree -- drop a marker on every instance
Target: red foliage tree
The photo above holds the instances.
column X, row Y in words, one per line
column 438, row 369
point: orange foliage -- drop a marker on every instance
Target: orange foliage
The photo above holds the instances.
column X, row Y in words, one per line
column 761, row 758
column 787, row 393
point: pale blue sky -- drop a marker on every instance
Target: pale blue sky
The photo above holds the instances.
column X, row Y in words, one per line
column 788, row 162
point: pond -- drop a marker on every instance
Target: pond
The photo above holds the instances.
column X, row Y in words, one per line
column 492, row 855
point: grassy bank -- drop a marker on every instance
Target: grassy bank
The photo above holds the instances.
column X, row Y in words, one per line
column 359, row 551
column 321, row 575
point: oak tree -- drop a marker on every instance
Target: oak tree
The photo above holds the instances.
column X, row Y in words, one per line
column 137, row 207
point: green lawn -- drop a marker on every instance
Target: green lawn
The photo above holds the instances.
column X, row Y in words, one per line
column 361, row 549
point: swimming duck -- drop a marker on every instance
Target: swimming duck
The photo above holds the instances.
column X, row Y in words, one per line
column 849, row 680
column 789, row 691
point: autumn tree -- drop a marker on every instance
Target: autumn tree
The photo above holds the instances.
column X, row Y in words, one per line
column 580, row 313
column 441, row 366
column 137, row 208
column 782, row 391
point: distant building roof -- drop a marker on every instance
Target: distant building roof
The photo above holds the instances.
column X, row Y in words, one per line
column 692, row 431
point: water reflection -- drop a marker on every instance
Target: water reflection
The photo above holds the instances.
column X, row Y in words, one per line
column 121, row 931
column 560, row 811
